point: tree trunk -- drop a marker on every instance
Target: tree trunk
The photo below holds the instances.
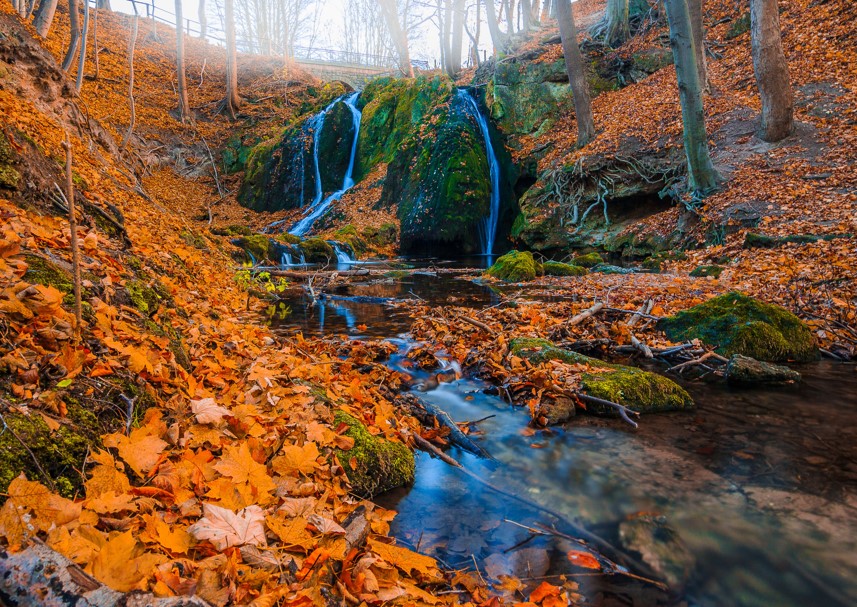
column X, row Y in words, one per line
column 203, row 20
column 400, row 37
column 772, row 71
column 81, row 64
column 184, row 106
column 95, row 44
column 526, row 12
column 695, row 8
column 547, row 11
column 103, row 4
column 499, row 39
column 445, row 19
column 618, row 28
column 455, row 47
column 576, row 73
column 703, row 176
column 232, row 102
column 132, row 43
column 45, row 17
column 74, row 25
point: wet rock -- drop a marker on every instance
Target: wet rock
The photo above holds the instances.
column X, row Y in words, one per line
column 639, row 390
column 738, row 324
column 317, row 250
column 660, row 547
column 554, row 411
column 555, row 268
column 588, row 260
column 515, row 266
column 746, row 370
column 606, row 268
column 374, row 464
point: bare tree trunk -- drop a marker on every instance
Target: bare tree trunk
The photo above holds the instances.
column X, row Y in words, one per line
column 203, row 20
column 45, row 17
column 232, row 103
column 74, row 24
column 498, row 37
column 103, row 4
column 526, row 12
column 547, row 11
column 474, row 36
column 618, row 28
column 457, row 39
column 772, row 71
column 132, row 43
column 95, row 44
column 703, row 177
column 184, row 105
column 81, row 64
column 400, row 37
column 576, row 73
column 698, row 28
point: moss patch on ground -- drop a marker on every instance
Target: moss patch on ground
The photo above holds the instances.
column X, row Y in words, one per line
column 738, row 324
column 703, row 271
column 143, row 297
column 555, row 268
column 515, row 266
column 379, row 464
column 9, row 176
column 634, row 388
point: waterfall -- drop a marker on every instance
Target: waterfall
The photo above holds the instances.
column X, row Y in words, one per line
column 488, row 225
column 286, row 259
column 342, row 256
column 319, row 207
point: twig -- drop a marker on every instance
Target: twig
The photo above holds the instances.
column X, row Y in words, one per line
column 75, row 251
column 644, row 309
column 698, row 361
column 622, row 409
column 129, row 412
column 478, row 324
column 575, row 320
column 634, row 312
column 642, row 347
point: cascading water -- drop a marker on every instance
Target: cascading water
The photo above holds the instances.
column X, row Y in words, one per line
column 342, row 256
column 319, row 207
column 286, row 259
column 488, row 225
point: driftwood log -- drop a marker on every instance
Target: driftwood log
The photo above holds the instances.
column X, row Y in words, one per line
column 41, row 577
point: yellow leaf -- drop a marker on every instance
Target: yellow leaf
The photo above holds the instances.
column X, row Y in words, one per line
column 140, row 451
column 406, row 560
column 296, row 460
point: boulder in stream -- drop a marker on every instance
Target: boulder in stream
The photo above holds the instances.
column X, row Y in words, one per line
column 749, row 371
column 660, row 547
column 634, row 388
column 738, row 324
column 516, row 266
column 374, row 464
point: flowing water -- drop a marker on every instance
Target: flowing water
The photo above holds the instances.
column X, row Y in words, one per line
column 320, row 204
column 751, row 499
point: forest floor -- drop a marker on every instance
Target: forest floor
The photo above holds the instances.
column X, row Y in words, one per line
column 222, row 467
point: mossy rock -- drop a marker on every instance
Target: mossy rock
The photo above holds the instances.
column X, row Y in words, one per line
column 739, row 26
column 287, row 238
column 9, row 176
column 143, row 297
column 232, row 230
column 642, row 391
column 556, row 268
column 515, row 266
column 61, row 453
column 334, row 146
column 258, row 246
column 588, row 260
column 348, row 234
column 704, row 271
column 381, row 236
column 381, row 464
column 317, row 250
column 738, row 324
column 44, row 272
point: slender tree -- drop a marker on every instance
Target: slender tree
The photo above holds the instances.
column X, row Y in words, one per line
column 45, row 17
column 576, row 72
column 232, row 102
column 132, row 43
column 703, row 177
column 618, row 26
column 399, row 35
column 695, row 7
column 81, row 63
column 203, row 20
column 457, row 35
column 772, row 71
column 95, row 44
column 498, row 37
column 547, row 10
column 184, row 105
column 74, row 25
column 526, row 13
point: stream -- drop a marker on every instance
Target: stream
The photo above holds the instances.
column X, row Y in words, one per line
column 748, row 500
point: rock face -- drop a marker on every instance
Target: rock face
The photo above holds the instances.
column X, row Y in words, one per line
column 639, row 390
column 738, row 324
column 378, row 464
column 749, row 371
column 556, row 268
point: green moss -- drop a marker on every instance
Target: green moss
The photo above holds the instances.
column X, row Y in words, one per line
column 9, row 177
column 232, row 230
column 348, row 234
column 652, row 60
column 515, row 266
column 317, row 250
column 702, row 271
column 381, row 464
column 143, row 297
column 587, row 261
column 739, row 26
column 639, row 390
column 761, row 241
column 43, row 272
column 257, row 245
column 738, row 324
column 194, row 240
column 555, row 268
column 287, row 238
column 60, row 453
column 381, row 236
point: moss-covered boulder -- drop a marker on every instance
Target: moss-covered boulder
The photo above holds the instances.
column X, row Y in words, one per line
column 334, row 145
column 317, row 250
column 143, row 297
column 556, row 268
column 258, row 246
column 515, row 266
column 373, row 465
column 642, row 391
column 589, row 260
column 738, row 324
column 381, row 236
column 706, row 271
column 349, row 235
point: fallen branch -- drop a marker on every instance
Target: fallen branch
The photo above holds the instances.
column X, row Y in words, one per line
column 641, row 347
column 478, row 324
column 646, row 308
column 576, row 320
column 634, row 313
column 456, row 436
column 698, row 361
column 622, row 409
